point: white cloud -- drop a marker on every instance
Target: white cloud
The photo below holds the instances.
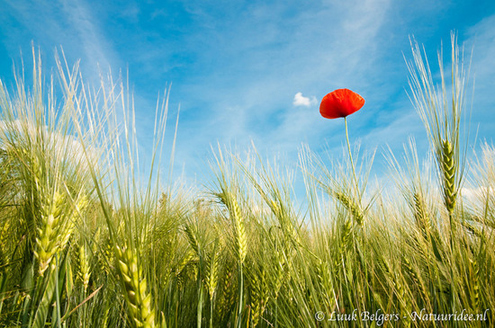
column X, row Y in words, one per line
column 300, row 100
column 65, row 147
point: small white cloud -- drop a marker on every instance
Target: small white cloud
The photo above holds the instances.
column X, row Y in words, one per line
column 300, row 100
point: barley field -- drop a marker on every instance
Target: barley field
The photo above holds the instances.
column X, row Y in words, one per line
column 91, row 238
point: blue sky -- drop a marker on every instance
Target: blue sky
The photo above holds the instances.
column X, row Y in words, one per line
column 256, row 71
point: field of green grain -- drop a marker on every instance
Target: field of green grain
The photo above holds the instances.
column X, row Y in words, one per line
column 89, row 240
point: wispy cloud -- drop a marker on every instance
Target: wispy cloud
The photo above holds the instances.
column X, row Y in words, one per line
column 300, row 100
column 70, row 24
column 481, row 40
column 91, row 38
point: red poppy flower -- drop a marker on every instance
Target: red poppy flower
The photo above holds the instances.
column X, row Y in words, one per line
column 340, row 103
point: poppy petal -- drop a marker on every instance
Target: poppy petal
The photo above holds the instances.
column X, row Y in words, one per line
column 340, row 103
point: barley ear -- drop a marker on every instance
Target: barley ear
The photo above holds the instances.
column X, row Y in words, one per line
column 278, row 278
column 475, row 292
column 259, row 295
column 212, row 273
column 351, row 206
column 449, row 169
column 49, row 240
column 84, row 271
column 138, row 300
column 240, row 231
column 193, row 241
column 421, row 215
column 416, row 278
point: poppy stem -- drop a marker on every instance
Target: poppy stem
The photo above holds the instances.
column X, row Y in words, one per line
column 350, row 154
